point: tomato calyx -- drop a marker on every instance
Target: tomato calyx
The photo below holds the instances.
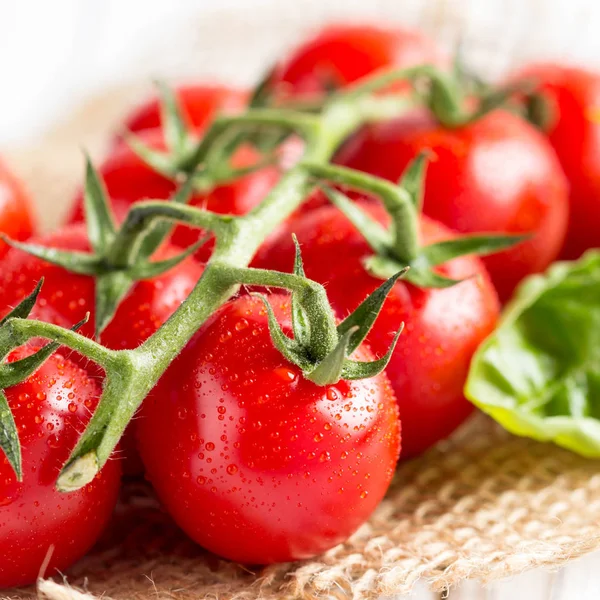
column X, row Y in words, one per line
column 115, row 272
column 320, row 347
column 399, row 246
column 181, row 143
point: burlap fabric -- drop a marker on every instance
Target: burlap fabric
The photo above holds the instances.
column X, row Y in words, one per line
column 482, row 505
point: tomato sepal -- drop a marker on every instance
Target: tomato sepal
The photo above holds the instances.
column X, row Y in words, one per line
column 364, row 316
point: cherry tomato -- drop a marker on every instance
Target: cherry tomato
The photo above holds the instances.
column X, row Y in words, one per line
column 495, row 175
column 50, row 408
column 572, row 125
column 443, row 326
column 342, row 54
column 16, row 213
column 240, row 447
column 200, row 104
column 128, row 179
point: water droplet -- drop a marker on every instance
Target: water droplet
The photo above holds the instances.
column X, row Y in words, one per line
column 210, row 446
column 225, row 336
column 332, row 394
column 182, row 413
column 318, row 437
column 72, row 407
column 241, row 325
column 285, row 374
column 325, row 457
column 201, row 480
column 232, row 469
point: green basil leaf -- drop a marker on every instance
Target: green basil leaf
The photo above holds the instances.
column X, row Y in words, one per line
column 538, row 374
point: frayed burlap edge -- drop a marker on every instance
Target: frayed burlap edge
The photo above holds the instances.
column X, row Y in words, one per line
column 483, row 505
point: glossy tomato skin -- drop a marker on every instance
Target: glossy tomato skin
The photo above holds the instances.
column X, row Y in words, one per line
column 242, row 448
column 339, row 55
column 496, row 175
column 443, row 327
column 128, row 180
column 573, row 129
column 200, row 105
column 50, row 408
column 16, row 211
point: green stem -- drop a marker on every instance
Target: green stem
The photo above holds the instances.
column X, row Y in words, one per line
column 305, row 124
column 237, row 241
column 397, row 202
column 311, row 295
column 22, row 330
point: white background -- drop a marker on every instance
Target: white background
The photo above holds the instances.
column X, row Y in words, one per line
column 53, row 53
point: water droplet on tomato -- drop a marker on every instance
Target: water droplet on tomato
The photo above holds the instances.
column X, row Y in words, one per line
column 232, row 469
column 285, row 374
column 241, row 325
column 332, row 394
column 210, row 446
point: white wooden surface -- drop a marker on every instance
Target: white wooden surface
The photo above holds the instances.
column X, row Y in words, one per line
column 54, row 53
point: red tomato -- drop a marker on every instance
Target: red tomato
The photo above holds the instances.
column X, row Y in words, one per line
column 200, row 104
column 250, row 450
column 16, row 214
column 50, row 408
column 342, row 54
column 443, row 326
column 128, row 179
column 573, row 128
column 496, row 175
